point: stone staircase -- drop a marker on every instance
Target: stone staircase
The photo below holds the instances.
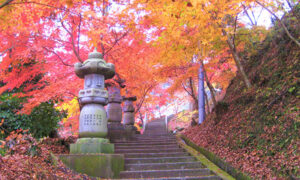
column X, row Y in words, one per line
column 156, row 155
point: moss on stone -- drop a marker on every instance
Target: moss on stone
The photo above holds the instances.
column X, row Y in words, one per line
column 96, row 165
column 117, row 165
column 91, row 145
column 92, row 140
column 92, row 134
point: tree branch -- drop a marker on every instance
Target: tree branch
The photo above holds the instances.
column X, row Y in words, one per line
column 72, row 42
column 143, row 98
column 192, row 90
column 8, row 49
column 189, row 93
column 246, row 12
column 49, row 50
column 237, row 60
column 234, row 33
column 281, row 23
column 78, row 38
column 210, row 87
column 255, row 20
column 115, row 43
column 5, row 3
column 37, row 3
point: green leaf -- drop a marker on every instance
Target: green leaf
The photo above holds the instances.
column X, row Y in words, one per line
column 291, row 89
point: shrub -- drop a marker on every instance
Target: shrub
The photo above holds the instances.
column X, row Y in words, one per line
column 40, row 123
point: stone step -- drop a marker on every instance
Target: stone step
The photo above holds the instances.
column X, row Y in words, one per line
column 147, row 146
column 156, row 124
column 155, row 138
column 155, row 134
column 122, row 151
column 211, row 177
column 165, row 173
column 159, row 160
column 144, row 144
column 166, row 154
column 163, row 166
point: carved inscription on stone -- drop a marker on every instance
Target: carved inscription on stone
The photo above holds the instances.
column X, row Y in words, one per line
column 92, row 120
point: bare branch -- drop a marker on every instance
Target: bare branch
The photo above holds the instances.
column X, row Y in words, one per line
column 8, row 49
column 194, row 96
column 289, row 4
column 189, row 93
column 49, row 50
column 37, row 3
column 72, row 42
column 246, row 12
column 5, row 3
column 234, row 33
column 79, row 26
column 63, row 25
column 210, row 87
column 143, row 98
column 116, row 42
column 254, row 18
column 237, row 59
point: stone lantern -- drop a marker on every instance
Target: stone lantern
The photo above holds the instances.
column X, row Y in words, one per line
column 92, row 99
column 92, row 153
column 128, row 118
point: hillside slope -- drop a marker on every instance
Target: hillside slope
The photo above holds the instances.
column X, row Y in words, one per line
column 257, row 130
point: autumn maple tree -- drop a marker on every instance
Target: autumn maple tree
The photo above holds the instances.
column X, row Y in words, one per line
column 150, row 43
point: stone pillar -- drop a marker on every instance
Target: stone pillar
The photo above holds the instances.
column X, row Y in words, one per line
column 116, row 130
column 92, row 99
column 128, row 118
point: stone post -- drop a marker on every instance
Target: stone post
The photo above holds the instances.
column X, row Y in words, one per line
column 128, row 118
column 116, row 130
column 92, row 99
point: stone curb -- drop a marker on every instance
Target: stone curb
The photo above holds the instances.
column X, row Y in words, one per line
column 212, row 161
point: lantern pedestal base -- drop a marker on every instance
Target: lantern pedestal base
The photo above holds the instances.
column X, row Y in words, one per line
column 96, row 165
column 92, row 145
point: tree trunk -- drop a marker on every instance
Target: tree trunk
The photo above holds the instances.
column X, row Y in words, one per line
column 210, row 87
column 207, row 103
column 237, row 60
column 191, row 92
